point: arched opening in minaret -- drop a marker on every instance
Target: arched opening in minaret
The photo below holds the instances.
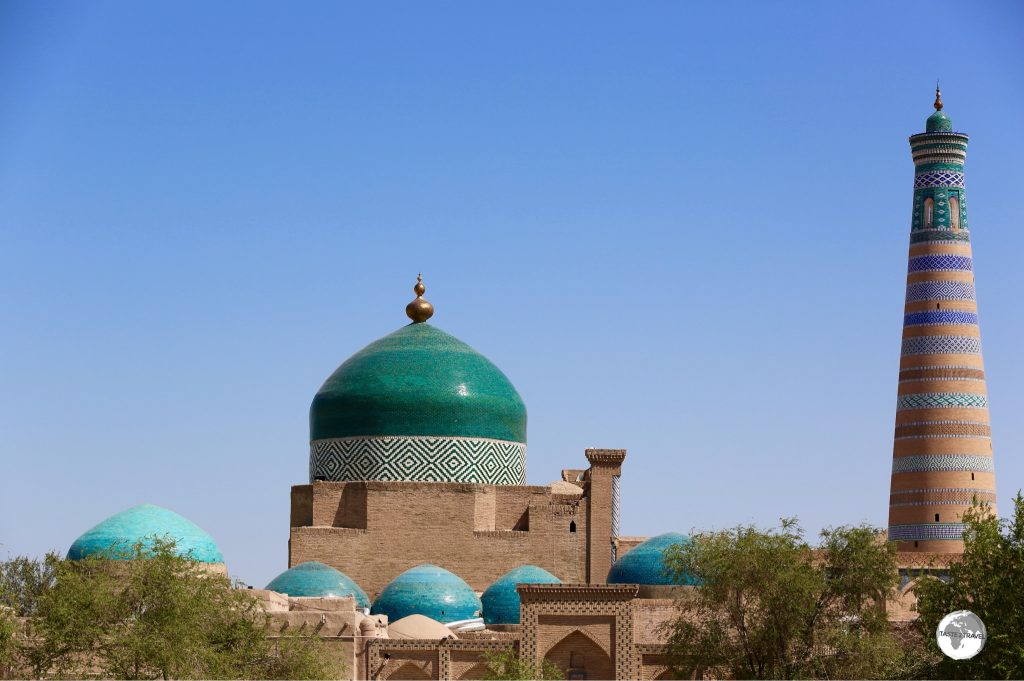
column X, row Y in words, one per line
column 936, row 517
column 572, row 526
column 954, row 211
column 929, row 212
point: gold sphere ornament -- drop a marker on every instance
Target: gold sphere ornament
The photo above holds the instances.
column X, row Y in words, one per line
column 419, row 310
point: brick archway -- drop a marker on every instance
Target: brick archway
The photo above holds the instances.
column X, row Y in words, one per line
column 410, row 672
column 578, row 653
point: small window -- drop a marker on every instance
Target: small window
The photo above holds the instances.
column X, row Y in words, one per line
column 929, row 212
column 915, row 545
column 936, row 517
column 954, row 212
column 938, row 306
column 572, row 526
column 972, row 476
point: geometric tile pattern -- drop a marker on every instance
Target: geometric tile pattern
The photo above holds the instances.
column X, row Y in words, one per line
column 979, row 430
column 942, row 373
column 419, row 458
column 926, row 531
column 941, row 400
column 951, row 496
column 938, row 263
column 929, row 463
column 925, row 235
column 939, row 178
column 941, row 345
column 936, row 317
column 940, row 290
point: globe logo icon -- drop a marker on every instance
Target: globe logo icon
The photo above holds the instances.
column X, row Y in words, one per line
column 961, row 635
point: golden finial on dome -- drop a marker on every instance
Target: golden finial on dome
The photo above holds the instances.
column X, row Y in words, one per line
column 938, row 97
column 419, row 310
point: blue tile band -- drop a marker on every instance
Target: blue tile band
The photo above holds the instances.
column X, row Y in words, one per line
column 938, row 263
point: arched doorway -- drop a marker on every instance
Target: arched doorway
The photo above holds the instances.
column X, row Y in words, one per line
column 581, row 658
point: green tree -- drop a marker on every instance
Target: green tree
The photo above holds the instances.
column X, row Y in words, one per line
column 9, row 644
column 768, row 605
column 988, row 580
column 154, row 614
column 23, row 581
column 508, row 664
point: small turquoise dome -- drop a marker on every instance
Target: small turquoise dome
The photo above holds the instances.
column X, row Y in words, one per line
column 430, row 591
column 939, row 122
column 501, row 600
column 143, row 524
column 314, row 579
column 645, row 564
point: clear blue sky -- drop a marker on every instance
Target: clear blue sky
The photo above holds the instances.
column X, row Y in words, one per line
column 678, row 228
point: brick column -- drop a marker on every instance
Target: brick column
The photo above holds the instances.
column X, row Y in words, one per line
column 942, row 453
column 605, row 467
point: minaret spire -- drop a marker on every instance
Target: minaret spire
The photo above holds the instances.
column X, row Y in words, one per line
column 942, row 448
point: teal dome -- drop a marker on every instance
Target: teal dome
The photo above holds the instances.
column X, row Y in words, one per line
column 939, row 122
column 418, row 404
column 645, row 563
column 418, row 380
column 314, row 579
column 501, row 600
column 430, row 591
column 143, row 524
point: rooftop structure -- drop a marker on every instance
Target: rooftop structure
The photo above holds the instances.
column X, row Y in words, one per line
column 418, row 405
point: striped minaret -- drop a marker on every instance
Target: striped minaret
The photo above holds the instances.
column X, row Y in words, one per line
column 942, row 453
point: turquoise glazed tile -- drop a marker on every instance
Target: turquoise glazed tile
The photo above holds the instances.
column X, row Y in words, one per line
column 143, row 524
column 645, row 564
column 938, row 122
column 314, row 579
column 418, row 380
column 501, row 600
column 427, row 590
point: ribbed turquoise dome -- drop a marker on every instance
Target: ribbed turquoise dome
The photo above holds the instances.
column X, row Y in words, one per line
column 645, row 564
column 418, row 380
column 427, row 590
column 501, row 600
column 142, row 524
column 939, row 122
column 314, row 579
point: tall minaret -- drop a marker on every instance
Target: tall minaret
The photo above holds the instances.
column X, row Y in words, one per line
column 942, row 454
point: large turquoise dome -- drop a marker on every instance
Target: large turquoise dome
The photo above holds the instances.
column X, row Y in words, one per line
column 645, row 563
column 418, row 404
column 430, row 591
column 501, row 600
column 143, row 524
column 315, row 579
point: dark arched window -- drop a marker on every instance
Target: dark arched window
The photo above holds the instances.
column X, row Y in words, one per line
column 572, row 526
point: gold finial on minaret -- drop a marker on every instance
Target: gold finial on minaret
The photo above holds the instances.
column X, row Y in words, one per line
column 419, row 310
column 938, row 97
